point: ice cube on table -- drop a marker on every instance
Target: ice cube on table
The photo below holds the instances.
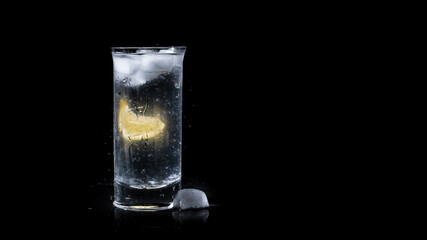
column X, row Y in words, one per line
column 126, row 64
column 190, row 198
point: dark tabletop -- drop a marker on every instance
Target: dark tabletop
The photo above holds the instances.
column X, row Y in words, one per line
column 103, row 217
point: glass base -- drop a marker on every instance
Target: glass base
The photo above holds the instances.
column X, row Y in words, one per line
column 134, row 199
column 143, row 207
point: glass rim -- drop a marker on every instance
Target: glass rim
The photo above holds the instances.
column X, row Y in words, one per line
column 147, row 48
column 171, row 50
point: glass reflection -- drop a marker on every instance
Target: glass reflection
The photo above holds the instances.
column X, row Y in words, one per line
column 125, row 221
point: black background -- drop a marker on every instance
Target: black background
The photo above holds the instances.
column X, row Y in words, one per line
column 260, row 126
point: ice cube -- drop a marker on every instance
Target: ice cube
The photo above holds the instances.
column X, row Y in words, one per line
column 177, row 56
column 177, row 60
column 144, row 51
column 138, row 78
column 156, row 63
column 125, row 64
column 190, row 198
column 169, row 50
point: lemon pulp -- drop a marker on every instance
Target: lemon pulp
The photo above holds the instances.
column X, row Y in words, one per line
column 137, row 127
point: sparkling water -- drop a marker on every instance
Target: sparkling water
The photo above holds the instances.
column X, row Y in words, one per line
column 147, row 123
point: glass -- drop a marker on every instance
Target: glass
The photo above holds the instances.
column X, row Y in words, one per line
column 147, row 126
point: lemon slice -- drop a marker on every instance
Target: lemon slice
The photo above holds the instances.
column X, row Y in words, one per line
column 136, row 127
